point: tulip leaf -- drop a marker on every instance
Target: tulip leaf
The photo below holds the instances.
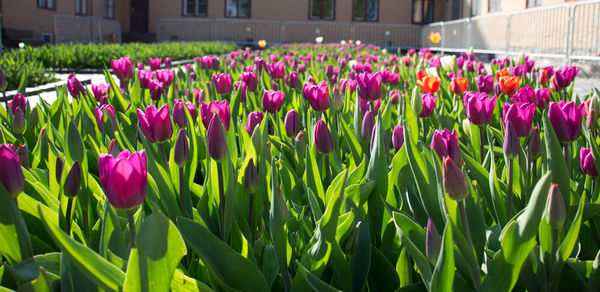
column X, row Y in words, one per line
column 230, row 268
column 181, row 282
column 313, row 176
column 410, row 121
column 277, row 221
column 355, row 147
column 377, row 171
column 556, row 161
column 413, row 239
column 40, row 284
column 89, row 263
column 570, row 239
column 382, row 274
column 159, row 248
column 15, row 244
column 361, row 259
column 443, row 274
column 111, row 236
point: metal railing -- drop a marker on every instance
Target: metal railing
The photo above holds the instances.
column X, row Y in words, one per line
column 86, row 29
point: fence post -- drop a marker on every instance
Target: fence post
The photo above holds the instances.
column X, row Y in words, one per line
column 570, row 34
column 508, row 17
column 282, row 33
column 443, row 33
column 469, row 41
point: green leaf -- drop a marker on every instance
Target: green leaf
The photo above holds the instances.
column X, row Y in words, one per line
column 230, row 268
column 413, row 238
column 361, row 259
column 40, row 284
column 159, row 248
column 92, row 265
column 15, row 244
column 568, row 243
column 184, row 283
column 443, row 274
column 315, row 283
column 313, row 176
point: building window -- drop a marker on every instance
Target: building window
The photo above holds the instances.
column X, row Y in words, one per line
column 81, row 7
column 533, row 3
column 237, row 8
column 475, row 7
column 422, row 11
column 494, row 5
column 194, row 7
column 322, row 9
column 47, row 4
column 366, row 10
column 109, row 9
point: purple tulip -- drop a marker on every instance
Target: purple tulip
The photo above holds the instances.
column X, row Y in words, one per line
column 485, row 83
column 454, row 180
column 512, row 145
column 260, row 64
column 291, row 123
column 73, row 181
column 364, row 106
column 100, row 91
column 123, row 68
column 156, row 89
column 254, row 119
column 479, row 107
column 221, row 108
column 389, row 77
column 179, row 117
column 521, row 116
column 292, row 80
column 398, row 137
column 124, row 178
column 367, row 126
column 23, row 154
column 11, row 174
column 168, row 62
column 182, row 149
column 222, row 83
column 145, row 77
column 165, row 76
column 243, row 93
column 369, row 86
column 323, row 138
column 276, row 70
column 156, row 124
column 317, row 95
column 18, row 101
column 445, row 143
column 154, row 63
column 251, row 80
column 215, row 139
column 76, row 89
column 272, row 101
column 347, row 83
column 586, row 161
column 543, row 97
column 140, row 66
column 99, row 114
column 563, row 77
column 566, row 119
column 433, row 242
column 429, row 101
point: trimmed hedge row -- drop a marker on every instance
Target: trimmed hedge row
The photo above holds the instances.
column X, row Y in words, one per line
column 36, row 60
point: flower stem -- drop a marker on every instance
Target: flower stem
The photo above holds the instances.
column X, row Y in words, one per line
column 467, row 232
column 130, row 213
column 567, row 155
column 69, row 210
column 481, row 143
column 181, row 192
column 163, row 154
column 509, row 193
column 251, row 218
column 221, row 198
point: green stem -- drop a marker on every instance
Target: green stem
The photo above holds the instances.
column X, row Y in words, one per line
column 567, row 155
column 551, row 260
column 481, row 143
column 130, row 213
column 221, row 198
column 163, row 153
column 509, row 193
column 251, row 218
column 69, row 210
column 467, row 232
column 181, row 192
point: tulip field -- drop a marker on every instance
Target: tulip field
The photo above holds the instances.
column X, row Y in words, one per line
column 304, row 167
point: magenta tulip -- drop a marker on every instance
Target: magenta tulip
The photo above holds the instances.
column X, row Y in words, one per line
column 398, row 137
column 242, row 90
column 145, row 77
column 566, row 118
column 367, row 126
column 292, row 80
column 479, row 107
column 154, row 63
column 317, row 95
column 179, row 117
column 156, row 89
column 221, row 108
column 445, row 143
column 156, row 124
column 254, row 119
column 99, row 114
column 11, row 174
column 100, row 91
column 291, row 123
column 215, row 139
column 165, row 76
column 124, row 178
column 123, row 68
column 222, row 83
column 586, row 161
column 76, row 89
column 168, row 62
column 250, row 79
column 276, row 70
column 521, row 116
column 323, row 138
column 272, row 101
column 429, row 101
column 369, row 86
column 18, row 101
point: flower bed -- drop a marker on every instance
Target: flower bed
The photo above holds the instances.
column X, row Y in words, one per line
column 323, row 167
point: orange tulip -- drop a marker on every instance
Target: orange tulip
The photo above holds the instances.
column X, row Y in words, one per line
column 509, row 84
column 435, row 37
column 421, row 74
column 262, row 43
column 459, row 85
column 429, row 84
column 501, row 73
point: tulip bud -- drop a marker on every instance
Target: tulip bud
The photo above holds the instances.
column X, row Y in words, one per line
column 113, row 148
column 367, row 126
column 11, row 175
column 23, row 156
column 251, row 177
column 18, row 123
column 433, row 242
column 398, row 137
column 521, row 59
column 291, row 123
column 534, row 146
column 466, row 127
column 511, row 142
column 215, row 139
column 555, row 208
column 59, row 168
column 182, row 149
column 592, row 120
column 323, row 138
column 497, row 89
column 416, row 102
column 455, row 181
column 300, row 142
column 73, row 181
column 338, row 103
column 2, row 81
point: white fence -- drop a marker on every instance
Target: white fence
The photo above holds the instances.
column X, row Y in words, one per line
column 86, row 29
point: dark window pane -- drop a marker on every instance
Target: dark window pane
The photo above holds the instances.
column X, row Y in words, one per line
column 50, row 4
column 315, row 9
column 417, row 15
column 201, row 7
column 190, row 6
column 231, row 8
column 372, row 10
column 244, row 8
column 359, row 12
column 327, row 9
column 429, row 11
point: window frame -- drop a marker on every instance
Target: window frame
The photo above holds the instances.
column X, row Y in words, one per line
column 239, row 3
column 81, row 2
column 195, row 14
column 536, row 3
column 106, row 5
column 46, row 6
column 365, row 12
column 496, row 7
column 478, row 7
column 423, row 14
column 322, row 18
